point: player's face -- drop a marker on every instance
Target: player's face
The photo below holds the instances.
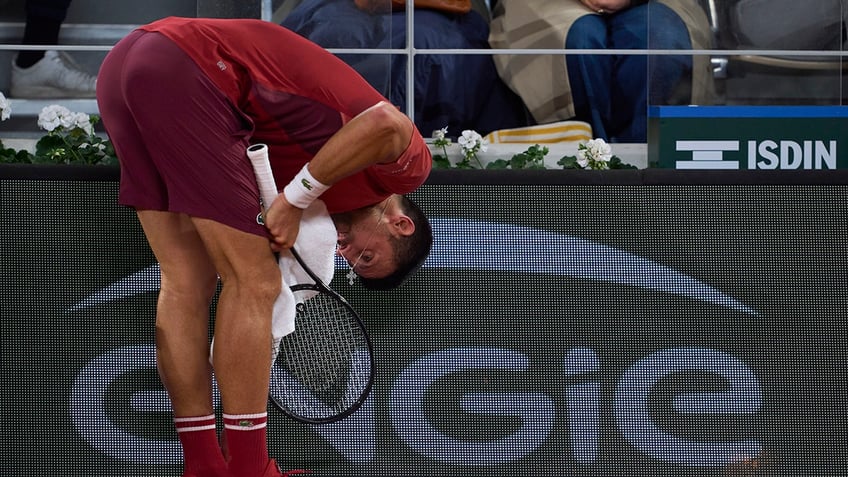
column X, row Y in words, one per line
column 366, row 244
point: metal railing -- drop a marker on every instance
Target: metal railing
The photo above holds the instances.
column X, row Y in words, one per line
column 101, row 37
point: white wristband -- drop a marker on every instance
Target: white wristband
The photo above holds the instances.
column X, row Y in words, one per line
column 303, row 189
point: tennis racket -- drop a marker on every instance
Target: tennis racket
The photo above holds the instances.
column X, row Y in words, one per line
column 323, row 371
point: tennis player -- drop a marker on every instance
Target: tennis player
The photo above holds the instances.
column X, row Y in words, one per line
column 181, row 100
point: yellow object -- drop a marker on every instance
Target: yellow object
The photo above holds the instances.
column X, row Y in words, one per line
column 562, row 131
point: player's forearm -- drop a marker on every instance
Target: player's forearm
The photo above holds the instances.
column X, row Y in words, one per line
column 378, row 135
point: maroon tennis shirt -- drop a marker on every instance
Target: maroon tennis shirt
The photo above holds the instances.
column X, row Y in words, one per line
column 296, row 96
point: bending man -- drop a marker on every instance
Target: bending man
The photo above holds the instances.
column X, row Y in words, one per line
column 181, row 99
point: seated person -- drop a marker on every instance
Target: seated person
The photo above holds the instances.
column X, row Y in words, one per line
column 611, row 92
column 454, row 91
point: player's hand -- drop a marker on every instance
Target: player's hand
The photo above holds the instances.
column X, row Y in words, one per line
column 283, row 222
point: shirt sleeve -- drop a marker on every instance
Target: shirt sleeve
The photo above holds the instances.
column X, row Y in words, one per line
column 409, row 171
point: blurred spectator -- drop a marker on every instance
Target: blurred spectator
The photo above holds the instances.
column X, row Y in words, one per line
column 611, row 92
column 47, row 73
column 454, row 91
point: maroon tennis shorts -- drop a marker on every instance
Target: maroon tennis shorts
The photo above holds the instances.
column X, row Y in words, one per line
column 180, row 141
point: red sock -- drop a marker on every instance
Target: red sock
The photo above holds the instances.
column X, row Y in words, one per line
column 247, row 443
column 201, row 452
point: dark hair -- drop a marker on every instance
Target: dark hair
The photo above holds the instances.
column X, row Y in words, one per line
column 410, row 252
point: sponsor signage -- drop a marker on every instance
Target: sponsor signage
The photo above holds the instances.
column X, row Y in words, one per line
column 641, row 330
column 748, row 137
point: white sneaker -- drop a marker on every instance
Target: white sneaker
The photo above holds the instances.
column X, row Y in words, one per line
column 54, row 76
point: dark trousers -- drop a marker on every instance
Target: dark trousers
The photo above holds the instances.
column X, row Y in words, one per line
column 52, row 9
column 613, row 92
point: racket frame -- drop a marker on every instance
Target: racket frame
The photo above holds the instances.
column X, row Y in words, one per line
column 258, row 156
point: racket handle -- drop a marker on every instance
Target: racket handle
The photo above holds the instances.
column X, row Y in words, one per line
column 258, row 155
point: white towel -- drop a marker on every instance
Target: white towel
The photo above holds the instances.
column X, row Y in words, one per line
column 316, row 244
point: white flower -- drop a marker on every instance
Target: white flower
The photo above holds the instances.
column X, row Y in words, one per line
column 440, row 134
column 601, row 151
column 472, row 141
column 594, row 154
column 441, row 138
column 54, row 116
column 5, row 108
column 82, row 121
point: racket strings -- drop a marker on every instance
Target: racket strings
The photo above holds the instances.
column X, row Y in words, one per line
column 323, row 366
column 320, row 321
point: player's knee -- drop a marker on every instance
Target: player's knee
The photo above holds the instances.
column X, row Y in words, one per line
column 261, row 284
column 188, row 290
column 267, row 290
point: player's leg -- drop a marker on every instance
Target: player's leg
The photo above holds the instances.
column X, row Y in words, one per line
column 188, row 283
column 198, row 149
column 251, row 282
column 188, row 278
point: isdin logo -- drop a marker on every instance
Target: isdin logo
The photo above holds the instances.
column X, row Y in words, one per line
column 753, row 154
column 707, row 154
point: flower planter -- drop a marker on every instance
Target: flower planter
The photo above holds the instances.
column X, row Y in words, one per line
column 633, row 154
column 75, row 147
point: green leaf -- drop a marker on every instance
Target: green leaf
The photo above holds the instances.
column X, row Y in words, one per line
column 615, row 163
column 498, row 164
column 532, row 158
column 441, row 162
column 569, row 162
column 518, row 161
column 48, row 142
column 108, row 160
column 11, row 156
